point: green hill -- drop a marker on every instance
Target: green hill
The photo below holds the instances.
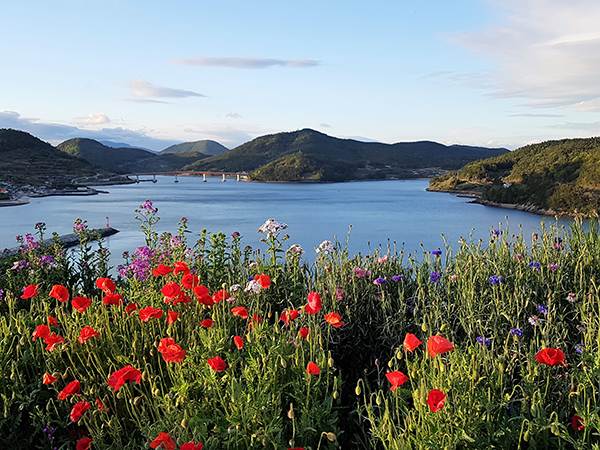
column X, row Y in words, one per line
column 561, row 176
column 126, row 159
column 308, row 155
column 206, row 147
column 25, row 159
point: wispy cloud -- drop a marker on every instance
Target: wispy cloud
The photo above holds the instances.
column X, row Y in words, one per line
column 144, row 91
column 536, row 115
column 590, row 127
column 56, row 133
column 233, row 115
column 244, row 63
column 548, row 51
column 92, row 119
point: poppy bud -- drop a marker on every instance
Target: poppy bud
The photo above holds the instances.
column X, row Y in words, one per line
column 156, row 392
column 269, row 315
column 282, row 362
column 357, row 390
column 378, row 400
column 390, row 363
column 330, row 362
column 290, row 413
column 65, row 375
column 332, row 437
column 144, row 375
column 137, row 401
column 443, row 327
column 424, row 327
column 442, row 367
column 184, row 423
column 22, row 341
column 336, row 395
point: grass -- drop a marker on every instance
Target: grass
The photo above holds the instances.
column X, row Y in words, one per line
column 498, row 303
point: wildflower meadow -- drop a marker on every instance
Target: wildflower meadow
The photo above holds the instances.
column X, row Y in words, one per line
column 198, row 341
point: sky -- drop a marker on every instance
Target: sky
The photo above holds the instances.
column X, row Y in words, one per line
column 496, row 73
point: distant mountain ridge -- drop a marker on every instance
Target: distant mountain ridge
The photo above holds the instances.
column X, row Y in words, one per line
column 308, row 155
column 206, row 147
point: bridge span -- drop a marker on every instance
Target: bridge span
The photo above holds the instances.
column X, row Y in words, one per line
column 239, row 176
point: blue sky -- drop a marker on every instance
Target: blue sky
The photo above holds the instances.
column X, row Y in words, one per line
column 153, row 73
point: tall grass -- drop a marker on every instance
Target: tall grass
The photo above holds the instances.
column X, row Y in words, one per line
column 499, row 303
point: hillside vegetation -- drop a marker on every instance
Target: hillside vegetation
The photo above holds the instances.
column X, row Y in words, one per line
column 308, row 155
column 127, row 159
column 562, row 176
column 206, row 147
column 25, row 159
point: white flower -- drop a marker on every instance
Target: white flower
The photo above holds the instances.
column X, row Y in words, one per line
column 235, row 287
column 296, row 250
column 253, row 286
column 326, row 247
column 272, row 228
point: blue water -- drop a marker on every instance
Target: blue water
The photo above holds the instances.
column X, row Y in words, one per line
column 380, row 213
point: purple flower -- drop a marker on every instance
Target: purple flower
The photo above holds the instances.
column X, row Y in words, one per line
column 483, row 341
column 435, row 276
column 380, row 281
column 579, row 348
column 397, row 277
column 542, row 309
column 553, row 267
column 235, row 234
column 535, row 265
column 496, row 279
column 518, row 257
column 436, row 252
column 516, row 332
column 571, row 297
column 339, row 293
column 497, row 232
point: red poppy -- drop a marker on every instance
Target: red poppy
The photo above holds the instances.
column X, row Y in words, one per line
column 162, row 270
column 436, row 345
column 183, row 298
column 52, row 340
column 172, row 317
column 150, row 311
column 131, row 307
column 42, row 332
column 30, row 291
column 170, row 351
column 396, row 378
column 240, row 311
column 113, row 299
column 48, row 378
column 127, row 373
column 312, row 369
column 239, row 342
column 72, row 388
column 411, row 342
column 207, row 323
column 163, row 441
column 171, row 291
column 263, row 280
column 203, row 295
column 551, row 356
column 436, row 400
column 334, row 319
column 100, row 405
column 81, row 303
column 314, row 303
column 60, row 293
column 85, row 443
column 217, row 364
column 52, row 321
column 289, row 315
column 86, row 333
column 190, row 281
column 577, row 423
column 106, row 285
column 78, row 409
column 192, row 446
column 181, row 266
column 303, row 332
column 219, row 295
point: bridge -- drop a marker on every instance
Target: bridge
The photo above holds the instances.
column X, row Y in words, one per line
column 189, row 173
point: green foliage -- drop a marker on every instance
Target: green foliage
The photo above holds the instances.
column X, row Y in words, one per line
column 497, row 394
column 559, row 175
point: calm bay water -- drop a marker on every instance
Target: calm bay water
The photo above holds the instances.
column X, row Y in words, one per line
column 380, row 212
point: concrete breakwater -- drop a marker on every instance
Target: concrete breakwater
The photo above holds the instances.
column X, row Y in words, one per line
column 68, row 240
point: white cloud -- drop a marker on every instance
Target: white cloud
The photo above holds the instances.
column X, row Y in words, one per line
column 548, row 51
column 233, row 115
column 92, row 119
column 142, row 89
column 244, row 63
